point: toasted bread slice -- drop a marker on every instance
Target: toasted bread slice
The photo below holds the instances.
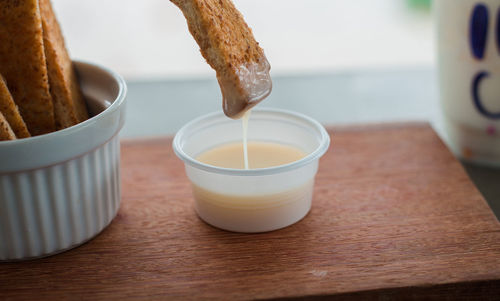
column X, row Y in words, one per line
column 228, row 45
column 22, row 63
column 10, row 112
column 69, row 104
column 6, row 132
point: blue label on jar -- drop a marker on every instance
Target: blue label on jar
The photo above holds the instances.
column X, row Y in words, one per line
column 478, row 38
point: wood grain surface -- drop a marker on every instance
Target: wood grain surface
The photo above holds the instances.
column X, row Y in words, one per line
column 394, row 216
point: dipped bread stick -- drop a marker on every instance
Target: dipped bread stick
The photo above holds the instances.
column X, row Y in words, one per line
column 228, row 45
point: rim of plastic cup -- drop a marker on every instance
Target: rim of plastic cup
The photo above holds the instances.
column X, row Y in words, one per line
column 314, row 155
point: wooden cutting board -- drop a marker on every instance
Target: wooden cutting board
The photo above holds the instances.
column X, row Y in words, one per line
column 394, row 215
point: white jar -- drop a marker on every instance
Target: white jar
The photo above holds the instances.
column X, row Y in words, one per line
column 468, row 42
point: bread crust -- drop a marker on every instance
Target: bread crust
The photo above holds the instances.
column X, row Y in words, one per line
column 6, row 132
column 23, row 64
column 10, row 111
column 226, row 42
column 69, row 104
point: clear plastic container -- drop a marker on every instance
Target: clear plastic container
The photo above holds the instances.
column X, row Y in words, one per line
column 254, row 200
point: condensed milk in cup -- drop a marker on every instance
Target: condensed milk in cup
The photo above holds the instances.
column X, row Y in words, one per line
column 255, row 199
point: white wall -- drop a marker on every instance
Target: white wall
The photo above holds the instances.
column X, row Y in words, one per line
column 149, row 38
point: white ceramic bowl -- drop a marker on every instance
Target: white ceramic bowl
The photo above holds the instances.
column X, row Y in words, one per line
column 61, row 189
column 254, row 200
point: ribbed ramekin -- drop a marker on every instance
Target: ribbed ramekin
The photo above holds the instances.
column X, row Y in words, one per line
column 61, row 189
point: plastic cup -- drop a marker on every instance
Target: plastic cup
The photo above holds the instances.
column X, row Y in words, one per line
column 254, row 200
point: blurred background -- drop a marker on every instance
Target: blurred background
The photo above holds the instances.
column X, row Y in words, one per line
column 338, row 61
column 148, row 39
